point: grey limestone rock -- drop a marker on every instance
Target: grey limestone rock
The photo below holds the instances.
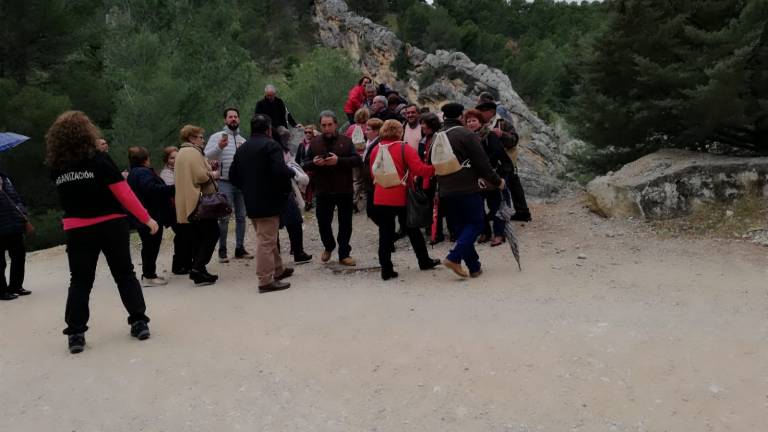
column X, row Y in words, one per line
column 672, row 183
column 442, row 76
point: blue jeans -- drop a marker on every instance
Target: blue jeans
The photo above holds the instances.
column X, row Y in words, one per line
column 466, row 215
column 235, row 198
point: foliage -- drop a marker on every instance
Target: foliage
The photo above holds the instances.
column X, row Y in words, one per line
column 677, row 74
column 48, row 231
column 320, row 82
column 140, row 70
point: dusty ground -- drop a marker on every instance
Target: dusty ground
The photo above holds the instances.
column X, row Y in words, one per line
column 640, row 334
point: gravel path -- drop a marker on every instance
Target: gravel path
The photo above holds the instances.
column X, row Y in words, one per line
column 607, row 328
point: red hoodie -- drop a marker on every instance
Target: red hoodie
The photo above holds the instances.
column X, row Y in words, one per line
column 395, row 196
column 355, row 99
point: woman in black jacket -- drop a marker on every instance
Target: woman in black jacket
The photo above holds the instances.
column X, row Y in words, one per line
column 502, row 164
column 156, row 196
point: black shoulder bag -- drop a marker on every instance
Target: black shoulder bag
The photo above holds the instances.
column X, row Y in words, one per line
column 418, row 206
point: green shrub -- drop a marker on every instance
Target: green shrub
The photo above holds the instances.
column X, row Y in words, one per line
column 48, row 230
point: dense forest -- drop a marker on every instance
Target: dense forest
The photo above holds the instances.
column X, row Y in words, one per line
column 626, row 76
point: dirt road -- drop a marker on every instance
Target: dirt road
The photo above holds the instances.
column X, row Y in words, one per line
column 637, row 334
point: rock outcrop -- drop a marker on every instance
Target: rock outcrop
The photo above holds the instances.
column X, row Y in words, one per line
column 436, row 78
column 672, row 183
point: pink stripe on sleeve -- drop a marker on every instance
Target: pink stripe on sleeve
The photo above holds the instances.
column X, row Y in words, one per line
column 128, row 199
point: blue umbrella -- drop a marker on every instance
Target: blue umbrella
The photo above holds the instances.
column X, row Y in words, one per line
column 9, row 140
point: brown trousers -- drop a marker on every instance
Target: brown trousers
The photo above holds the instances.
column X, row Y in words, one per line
column 268, row 261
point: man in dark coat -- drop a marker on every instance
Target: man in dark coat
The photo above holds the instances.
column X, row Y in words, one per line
column 509, row 139
column 460, row 191
column 259, row 170
column 274, row 108
column 331, row 157
column 13, row 225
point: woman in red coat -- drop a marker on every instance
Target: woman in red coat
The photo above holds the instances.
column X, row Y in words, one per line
column 356, row 98
column 389, row 203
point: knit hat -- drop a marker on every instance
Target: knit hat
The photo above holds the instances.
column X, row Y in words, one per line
column 452, row 110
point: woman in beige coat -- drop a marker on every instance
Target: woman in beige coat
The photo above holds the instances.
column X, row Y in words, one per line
column 193, row 176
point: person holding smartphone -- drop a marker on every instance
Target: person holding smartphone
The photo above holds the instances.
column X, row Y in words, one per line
column 332, row 158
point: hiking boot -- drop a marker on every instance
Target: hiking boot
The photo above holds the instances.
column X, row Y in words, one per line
column 76, row 343
column 302, row 258
column 287, row 272
column 202, row 277
column 348, row 261
column 20, row 291
column 153, row 281
column 325, row 256
column 389, row 274
column 456, row 267
column 429, row 265
column 274, row 286
column 8, row 296
column 140, row 330
column 242, row 254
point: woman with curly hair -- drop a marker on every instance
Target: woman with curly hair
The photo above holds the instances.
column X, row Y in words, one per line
column 93, row 194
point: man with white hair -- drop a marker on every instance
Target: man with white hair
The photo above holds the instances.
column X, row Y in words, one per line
column 274, row 107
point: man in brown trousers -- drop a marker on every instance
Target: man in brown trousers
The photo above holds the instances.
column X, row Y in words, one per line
column 260, row 172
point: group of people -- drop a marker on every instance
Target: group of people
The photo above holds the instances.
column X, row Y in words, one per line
column 332, row 170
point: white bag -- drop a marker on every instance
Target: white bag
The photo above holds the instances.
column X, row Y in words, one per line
column 442, row 156
column 384, row 169
column 358, row 137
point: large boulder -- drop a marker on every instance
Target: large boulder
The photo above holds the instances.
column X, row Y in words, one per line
column 442, row 76
column 672, row 183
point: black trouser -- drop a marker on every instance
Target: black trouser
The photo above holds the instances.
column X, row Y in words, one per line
column 14, row 244
column 518, row 194
column 197, row 241
column 326, row 203
column 181, row 260
column 493, row 199
column 150, row 248
column 386, row 216
column 296, row 237
column 83, row 248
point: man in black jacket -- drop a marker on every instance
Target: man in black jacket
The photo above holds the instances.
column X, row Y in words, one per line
column 274, row 107
column 260, row 172
column 509, row 139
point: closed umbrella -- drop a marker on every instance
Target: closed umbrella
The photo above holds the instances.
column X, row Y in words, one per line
column 9, row 140
column 505, row 213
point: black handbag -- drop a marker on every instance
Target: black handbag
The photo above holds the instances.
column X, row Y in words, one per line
column 212, row 206
column 418, row 206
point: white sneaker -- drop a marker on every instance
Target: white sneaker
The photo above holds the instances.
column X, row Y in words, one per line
column 153, row 282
